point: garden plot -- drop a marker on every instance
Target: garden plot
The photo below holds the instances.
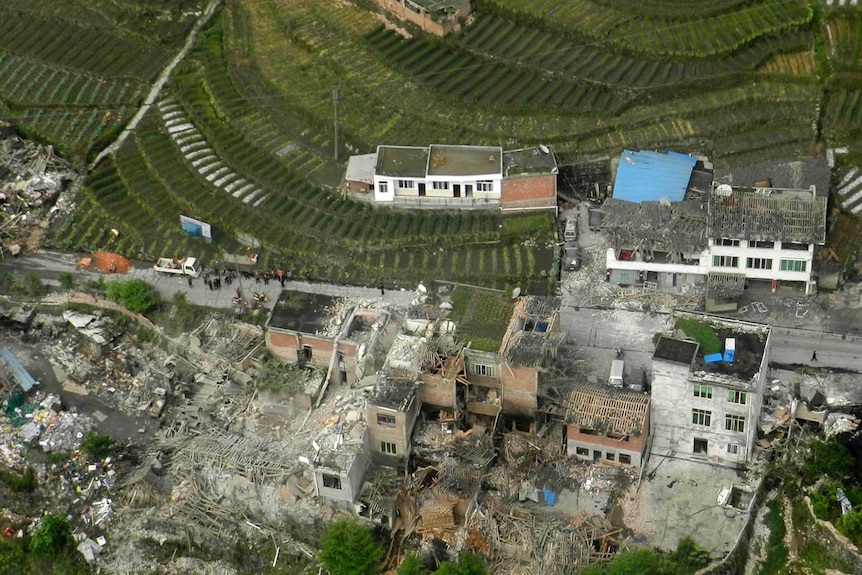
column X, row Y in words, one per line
column 194, row 148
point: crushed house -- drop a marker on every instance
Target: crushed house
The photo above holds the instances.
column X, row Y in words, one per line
column 607, row 423
column 671, row 226
column 328, row 332
column 458, row 176
column 706, row 406
column 505, row 382
column 341, row 460
column 438, row 17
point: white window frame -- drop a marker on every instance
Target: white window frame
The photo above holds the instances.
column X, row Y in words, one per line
column 386, row 420
column 725, row 261
column 734, row 423
column 736, row 396
column 483, row 370
column 759, row 263
column 484, row 186
column 440, row 186
column 388, row 448
column 383, row 187
column 727, row 242
column 701, row 417
column 406, row 184
column 733, row 448
column 703, row 391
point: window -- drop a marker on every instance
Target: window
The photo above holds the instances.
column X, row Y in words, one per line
column 703, row 391
column 725, row 261
column 625, row 459
column 732, row 448
column 484, row 186
column 701, row 417
column 387, row 448
column 734, row 396
column 303, row 355
column 734, row 423
column 441, row 185
column 482, row 369
column 727, row 242
column 385, row 420
column 406, row 184
column 609, row 456
column 701, row 446
column 759, row 263
column 794, row 246
column 793, row 265
column 582, row 451
column 331, row 481
column 757, row 244
column 383, row 188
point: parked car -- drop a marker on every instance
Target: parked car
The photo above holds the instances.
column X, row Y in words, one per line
column 571, row 231
column 595, row 219
column 572, row 255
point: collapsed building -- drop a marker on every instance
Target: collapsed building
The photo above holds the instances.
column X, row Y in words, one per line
column 672, row 225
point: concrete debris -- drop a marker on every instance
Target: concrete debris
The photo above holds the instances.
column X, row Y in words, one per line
column 840, row 423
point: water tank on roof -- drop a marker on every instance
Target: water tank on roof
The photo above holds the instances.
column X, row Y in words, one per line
column 724, row 190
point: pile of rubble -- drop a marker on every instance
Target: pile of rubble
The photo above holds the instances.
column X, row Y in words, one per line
column 32, row 178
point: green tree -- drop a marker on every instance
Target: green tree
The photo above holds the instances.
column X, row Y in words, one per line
column 640, row 562
column 830, row 458
column 348, row 548
column 135, row 295
column 53, row 534
column 471, row 564
column 97, row 445
column 689, row 556
column 410, row 566
column 182, row 312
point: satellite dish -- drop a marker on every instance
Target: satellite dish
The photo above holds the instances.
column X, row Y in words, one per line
column 544, row 149
column 421, row 288
column 445, row 305
column 516, row 292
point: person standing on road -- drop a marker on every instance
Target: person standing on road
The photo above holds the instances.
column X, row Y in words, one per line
column 814, row 356
column 191, row 283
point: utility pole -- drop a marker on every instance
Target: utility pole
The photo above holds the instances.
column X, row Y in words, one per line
column 335, row 117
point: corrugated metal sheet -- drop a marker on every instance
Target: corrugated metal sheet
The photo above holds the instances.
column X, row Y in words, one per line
column 650, row 176
column 24, row 379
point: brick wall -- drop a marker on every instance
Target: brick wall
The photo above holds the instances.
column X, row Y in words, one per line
column 529, row 191
column 520, row 385
column 285, row 345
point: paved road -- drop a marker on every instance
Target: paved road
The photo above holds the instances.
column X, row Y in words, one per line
column 834, row 350
column 49, row 266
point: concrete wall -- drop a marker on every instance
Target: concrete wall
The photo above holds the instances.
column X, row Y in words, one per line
column 529, row 191
column 423, row 19
column 520, row 386
column 671, row 414
column 399, row 435
column 633, row 446
column 437, row 391
column 286, row 344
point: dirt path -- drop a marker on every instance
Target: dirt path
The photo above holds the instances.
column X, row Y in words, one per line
column 158, row 85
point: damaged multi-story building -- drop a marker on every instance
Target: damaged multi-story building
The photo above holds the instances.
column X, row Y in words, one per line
column 671, row 224
column 705, row 407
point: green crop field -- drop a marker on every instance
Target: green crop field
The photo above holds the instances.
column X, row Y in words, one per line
column 741, row 81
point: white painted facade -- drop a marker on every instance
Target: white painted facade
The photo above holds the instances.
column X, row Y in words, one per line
column 481, row 187
column 678, row 430
column 760, row 263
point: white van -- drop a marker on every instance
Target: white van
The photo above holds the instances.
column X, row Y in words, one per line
column 571, row 231
column 617, row 369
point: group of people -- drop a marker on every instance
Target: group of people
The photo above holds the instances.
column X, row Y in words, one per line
column 213, row 277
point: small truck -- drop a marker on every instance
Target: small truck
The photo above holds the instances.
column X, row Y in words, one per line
column 184, row 266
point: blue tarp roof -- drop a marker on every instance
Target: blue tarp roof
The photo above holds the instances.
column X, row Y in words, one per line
column 24, row 379
column 649, row 176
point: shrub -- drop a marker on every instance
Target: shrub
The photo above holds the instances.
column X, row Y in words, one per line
column 21, row 283
column 67, row 280
column 135, row 295
column 410, row 566
column 348, row 548
column 97, row 445
column 851, row 525
column 19, row 482
column 689, row 556
column 53, row 534
column 828, row 458
column 701, row 332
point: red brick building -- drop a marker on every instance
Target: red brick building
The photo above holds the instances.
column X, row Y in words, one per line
column 438, row 17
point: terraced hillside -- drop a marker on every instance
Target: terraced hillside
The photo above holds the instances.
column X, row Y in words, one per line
column 73, row 75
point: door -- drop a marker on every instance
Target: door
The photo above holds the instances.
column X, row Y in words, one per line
column 421, row 188
column 456, row 190
column 596, row 455
column 700, row 446
column 468, row 190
